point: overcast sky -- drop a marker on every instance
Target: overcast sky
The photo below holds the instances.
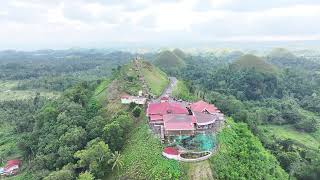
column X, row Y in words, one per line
column 86, row 23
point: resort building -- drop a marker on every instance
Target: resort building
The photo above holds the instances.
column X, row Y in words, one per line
column 174, row 119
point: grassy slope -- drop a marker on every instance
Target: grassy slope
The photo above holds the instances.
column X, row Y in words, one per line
column 242, row 156
column 100, row 92
column 155, row 78
column 304, row 139
column 181, row 91
column 142, row 157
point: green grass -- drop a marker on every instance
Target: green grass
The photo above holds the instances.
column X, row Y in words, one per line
column 6, row 92
column 142, row 157
column 303, row 139
column 100, row 93
column 156, row 79
column 181, row 91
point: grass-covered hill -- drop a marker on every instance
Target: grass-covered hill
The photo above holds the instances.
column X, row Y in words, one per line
column 169, row 61
column 250, row 61
column 128, row 79
column 179, row 53
column 281, row 53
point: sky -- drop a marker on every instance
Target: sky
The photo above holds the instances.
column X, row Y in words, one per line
column 39, row 24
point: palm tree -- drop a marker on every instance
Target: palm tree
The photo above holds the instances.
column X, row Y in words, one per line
column 116, row 161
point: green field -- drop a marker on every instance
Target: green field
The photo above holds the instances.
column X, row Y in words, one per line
column 156, row 79
column 8, row 93
column 304, row 139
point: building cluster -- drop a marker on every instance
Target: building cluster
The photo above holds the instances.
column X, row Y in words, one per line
column 11, row 168
column 176, row 118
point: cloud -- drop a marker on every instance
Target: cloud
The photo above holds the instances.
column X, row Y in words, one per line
column 54, row 22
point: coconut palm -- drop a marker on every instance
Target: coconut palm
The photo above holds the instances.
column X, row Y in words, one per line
column 116, row 161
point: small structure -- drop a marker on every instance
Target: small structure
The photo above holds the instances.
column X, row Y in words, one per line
column 11, row 168
column 164, row 99
column 126, row 99
column 171, row 153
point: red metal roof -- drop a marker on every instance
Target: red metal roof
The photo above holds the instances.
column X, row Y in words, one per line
column 155, row 117
column 166, row 108
column 178, row 122
column 201, row 106
column 171, row 151
column 11, row 163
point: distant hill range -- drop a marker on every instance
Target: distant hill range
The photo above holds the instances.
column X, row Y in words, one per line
column 285, row 59
column 250, row 61
column 170, row 61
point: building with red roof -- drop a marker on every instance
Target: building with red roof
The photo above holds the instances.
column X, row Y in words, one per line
column 12, row 167
column 178, row 124
column 172, row 118
column 155, row 111
column 204, row 107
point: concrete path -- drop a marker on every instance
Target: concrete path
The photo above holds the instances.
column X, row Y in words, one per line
column 168, row 91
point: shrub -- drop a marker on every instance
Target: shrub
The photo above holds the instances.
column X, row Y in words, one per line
column 136, row 111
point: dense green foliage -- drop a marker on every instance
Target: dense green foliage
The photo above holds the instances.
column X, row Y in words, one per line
column 58, row 70
column 263, row 98
column 242, row 156
column 84, row 132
